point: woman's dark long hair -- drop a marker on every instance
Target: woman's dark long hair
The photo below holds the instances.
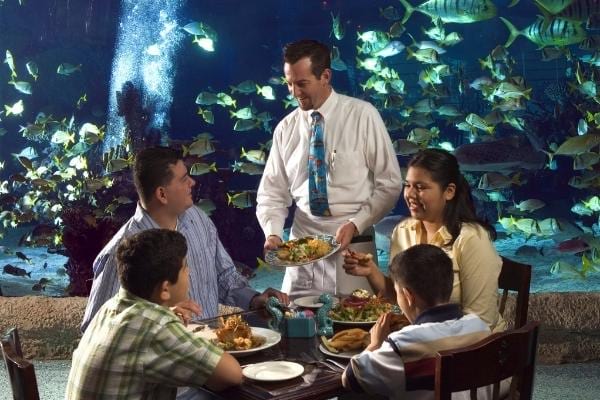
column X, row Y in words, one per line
column 444, row 170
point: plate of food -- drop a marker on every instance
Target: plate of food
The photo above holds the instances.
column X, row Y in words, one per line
column 346, row 343
column 312, row 301
column 360, row 308
column 339, row 354
column 238, row 338
column 273, row 371
column 302, row 251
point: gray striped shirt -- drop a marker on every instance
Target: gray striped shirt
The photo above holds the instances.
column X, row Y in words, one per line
column 213, row 277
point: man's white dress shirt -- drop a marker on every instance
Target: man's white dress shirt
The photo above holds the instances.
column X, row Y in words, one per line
column 363, row 185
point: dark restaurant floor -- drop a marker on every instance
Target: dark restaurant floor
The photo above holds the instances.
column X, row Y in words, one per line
column 566, row 381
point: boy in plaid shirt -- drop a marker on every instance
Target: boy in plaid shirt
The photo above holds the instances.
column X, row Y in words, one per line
column 136, row 347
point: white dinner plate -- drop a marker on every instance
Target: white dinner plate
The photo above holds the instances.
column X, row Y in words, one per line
column 271, row 371
column 312, row 301
column 342, row 354
column 271, row 255
column 271, row 338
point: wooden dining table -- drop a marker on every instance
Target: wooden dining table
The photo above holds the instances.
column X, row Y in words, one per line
column 320, row 379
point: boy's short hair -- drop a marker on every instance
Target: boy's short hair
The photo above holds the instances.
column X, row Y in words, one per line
column 426, row 270
column 151, row 169
column 148, row 258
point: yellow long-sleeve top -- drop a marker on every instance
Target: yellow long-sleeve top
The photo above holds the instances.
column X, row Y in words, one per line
column 475, row 262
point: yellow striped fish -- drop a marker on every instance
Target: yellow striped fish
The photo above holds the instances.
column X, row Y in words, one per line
column 459, row 11
column 555, row 32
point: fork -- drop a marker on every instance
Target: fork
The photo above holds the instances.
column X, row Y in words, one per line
column 305, row 357
column 336, row 363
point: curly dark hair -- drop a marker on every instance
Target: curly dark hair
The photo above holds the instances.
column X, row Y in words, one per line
column 148, row 258
column 426, row 270
column 444, row 170
column 151, row 169
column 318, row 53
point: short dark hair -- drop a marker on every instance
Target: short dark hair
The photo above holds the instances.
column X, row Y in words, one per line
column 444, row 170
column 426, row 270
column 318, row 53
column 148, row 258
column 151, row 169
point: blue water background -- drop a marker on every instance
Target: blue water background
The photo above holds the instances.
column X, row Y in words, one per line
column 251, row 35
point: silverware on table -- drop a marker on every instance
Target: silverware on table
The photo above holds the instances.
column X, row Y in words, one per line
column 308, row 359
column 336, row 363
column 210, row 321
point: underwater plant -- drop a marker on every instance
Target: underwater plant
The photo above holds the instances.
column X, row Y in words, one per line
column 83, row 236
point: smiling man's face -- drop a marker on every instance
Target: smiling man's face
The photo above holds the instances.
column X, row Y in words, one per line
column 310, row 91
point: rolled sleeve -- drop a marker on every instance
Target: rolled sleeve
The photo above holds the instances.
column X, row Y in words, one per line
column 243, row 296
column 234, row 289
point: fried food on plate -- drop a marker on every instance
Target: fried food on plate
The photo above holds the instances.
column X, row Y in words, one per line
column 236, row 334
column 348, row 340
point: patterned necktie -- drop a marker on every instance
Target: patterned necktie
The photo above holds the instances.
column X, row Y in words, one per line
column 317, row 169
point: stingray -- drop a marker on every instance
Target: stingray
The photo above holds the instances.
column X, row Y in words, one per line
column 499, row 155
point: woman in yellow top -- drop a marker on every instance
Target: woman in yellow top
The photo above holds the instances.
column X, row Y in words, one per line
column 443, row 214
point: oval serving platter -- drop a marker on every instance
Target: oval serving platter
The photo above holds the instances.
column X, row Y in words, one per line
column 272, row 259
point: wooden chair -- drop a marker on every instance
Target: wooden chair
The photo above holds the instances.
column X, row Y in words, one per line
column 499, row 356
column 515, row 276
column 20, row 371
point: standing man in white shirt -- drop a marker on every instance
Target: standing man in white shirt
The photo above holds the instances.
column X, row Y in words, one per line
column 333, row 157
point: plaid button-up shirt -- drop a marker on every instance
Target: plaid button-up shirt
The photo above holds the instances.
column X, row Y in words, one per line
column 136, row 349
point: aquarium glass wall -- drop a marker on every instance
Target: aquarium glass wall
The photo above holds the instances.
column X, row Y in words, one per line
column 510, row 87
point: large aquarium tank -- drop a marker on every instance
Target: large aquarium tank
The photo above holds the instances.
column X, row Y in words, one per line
column 511, row 88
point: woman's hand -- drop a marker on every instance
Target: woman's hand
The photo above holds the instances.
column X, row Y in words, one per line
column 358, row 264
column 362, row 264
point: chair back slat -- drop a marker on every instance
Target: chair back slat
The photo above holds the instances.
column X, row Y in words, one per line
column 496, row 391
column 20, row 371
column 15, row 341
column 515, row 276
column 473, row 394
column 503, row 299
column 491, row 360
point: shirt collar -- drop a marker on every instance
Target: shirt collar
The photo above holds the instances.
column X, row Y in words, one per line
column 142, row 215
column 326, row 108
column 126, row 295
column 443, row 232
column 441, row 313
column 126, row 298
